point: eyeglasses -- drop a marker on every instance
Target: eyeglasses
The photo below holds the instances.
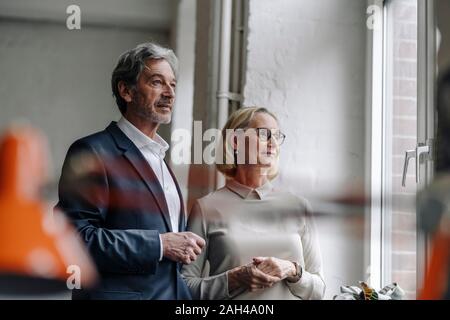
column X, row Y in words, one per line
column 265, row 134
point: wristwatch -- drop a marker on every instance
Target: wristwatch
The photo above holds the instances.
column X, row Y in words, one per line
column 298, row 272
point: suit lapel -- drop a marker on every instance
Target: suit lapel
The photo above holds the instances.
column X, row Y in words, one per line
column 137, row 160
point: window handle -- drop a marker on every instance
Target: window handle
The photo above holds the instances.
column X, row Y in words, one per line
column 408, row 156
column 420, row 150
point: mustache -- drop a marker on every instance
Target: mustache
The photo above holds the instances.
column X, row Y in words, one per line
column 164, row 102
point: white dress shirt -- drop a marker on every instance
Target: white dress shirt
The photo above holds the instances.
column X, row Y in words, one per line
column 154, row 151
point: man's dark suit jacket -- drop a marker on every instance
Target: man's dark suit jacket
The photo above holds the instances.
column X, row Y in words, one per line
column 114, row 199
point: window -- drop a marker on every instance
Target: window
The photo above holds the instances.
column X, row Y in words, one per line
column 403, row 124
column 400, row 135
column 403, row 80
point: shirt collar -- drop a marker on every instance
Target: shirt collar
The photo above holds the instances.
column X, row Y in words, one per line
column 158, row 145
column 245, row 191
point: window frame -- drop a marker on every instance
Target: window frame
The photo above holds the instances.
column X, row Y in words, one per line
column 376, row 226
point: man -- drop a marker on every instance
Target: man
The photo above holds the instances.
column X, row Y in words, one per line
column 120, row 194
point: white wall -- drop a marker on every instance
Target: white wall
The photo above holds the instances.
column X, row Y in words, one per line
column 306, row 62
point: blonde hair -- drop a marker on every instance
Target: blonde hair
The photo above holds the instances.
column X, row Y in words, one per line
column 240, row 119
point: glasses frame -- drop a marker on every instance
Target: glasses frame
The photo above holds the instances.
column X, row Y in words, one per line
column 280, row 141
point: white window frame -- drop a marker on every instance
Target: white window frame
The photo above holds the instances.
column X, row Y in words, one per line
column 374, row 140
column 376, row 133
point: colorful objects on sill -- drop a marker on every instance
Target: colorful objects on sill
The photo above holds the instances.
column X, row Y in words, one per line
column 365, row 292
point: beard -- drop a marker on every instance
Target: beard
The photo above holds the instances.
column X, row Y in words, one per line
column 161, row 118
column 153, row 112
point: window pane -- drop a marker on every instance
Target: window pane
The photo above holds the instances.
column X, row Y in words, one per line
column 400, row 136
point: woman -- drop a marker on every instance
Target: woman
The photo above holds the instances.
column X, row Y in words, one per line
column 260, row 242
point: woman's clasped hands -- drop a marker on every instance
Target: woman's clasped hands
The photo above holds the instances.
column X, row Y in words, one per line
column 261, row 273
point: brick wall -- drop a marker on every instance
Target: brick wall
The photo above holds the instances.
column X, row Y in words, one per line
column 404, row 137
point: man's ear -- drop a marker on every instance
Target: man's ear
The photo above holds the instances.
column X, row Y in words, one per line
column 125, row 92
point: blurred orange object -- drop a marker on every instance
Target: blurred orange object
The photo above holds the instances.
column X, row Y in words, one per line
column 436, row 279
column 34, row 242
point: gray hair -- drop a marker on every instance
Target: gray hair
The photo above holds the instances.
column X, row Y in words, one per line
column 132, row 62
